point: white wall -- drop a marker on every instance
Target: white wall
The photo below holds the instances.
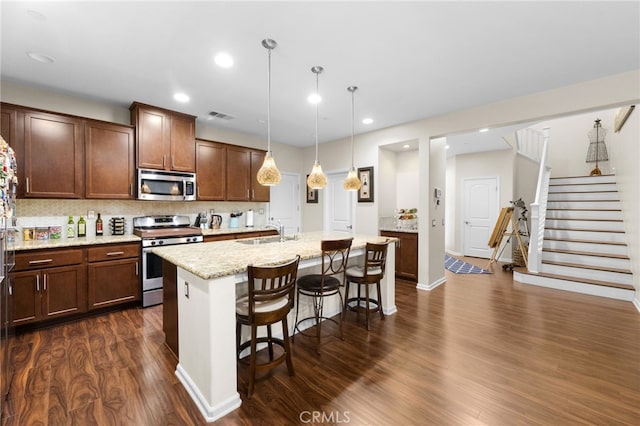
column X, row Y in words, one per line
column 498, row 164
column 388, row 184
column 625, row 158
column 407, row 169
column 568, row 142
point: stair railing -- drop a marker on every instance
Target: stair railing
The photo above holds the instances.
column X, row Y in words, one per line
column 539, row 208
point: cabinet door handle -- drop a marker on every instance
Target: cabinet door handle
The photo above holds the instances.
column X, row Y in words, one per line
column 27, row 185
column 10, row 288
column 173, row 162
column 131, row 189
column 186, row 289
column 115, row 253
column 36, row 262
column 38, row 283
column 44, row 286
column 137, row 273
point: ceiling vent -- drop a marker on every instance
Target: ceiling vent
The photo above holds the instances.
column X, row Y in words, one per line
column 214, row 115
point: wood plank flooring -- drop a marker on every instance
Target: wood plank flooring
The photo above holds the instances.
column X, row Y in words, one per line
column 479, row 349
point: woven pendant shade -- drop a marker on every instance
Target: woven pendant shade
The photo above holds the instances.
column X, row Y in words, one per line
column 317, row 179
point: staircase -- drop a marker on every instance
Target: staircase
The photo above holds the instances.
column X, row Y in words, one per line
column 584, row 247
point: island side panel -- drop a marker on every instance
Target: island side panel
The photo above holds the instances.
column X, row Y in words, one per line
column 207, row 344
column 170, row 306
column 388, row 284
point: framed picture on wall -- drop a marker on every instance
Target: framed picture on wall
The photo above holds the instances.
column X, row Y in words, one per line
column 312, row 194
column 365, row 193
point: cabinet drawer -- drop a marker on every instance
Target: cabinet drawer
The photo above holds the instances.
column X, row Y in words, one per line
column 47, row 259
column 111, row 252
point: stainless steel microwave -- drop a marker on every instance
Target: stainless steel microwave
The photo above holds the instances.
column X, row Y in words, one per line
column 161, row 185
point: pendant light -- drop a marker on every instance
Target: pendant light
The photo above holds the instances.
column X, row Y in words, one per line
column 269, row 175
column 351, row 182
column 317, row 179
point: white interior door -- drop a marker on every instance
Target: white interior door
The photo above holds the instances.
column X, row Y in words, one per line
column 284, row 205
column 480, row 214
column 339, row 204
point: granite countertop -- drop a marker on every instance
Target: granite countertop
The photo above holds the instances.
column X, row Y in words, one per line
column 242, row 230
column 392, row 229
column 74, row 242
column 223, row 258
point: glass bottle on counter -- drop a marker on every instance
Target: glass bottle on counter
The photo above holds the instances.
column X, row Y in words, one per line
column 99, row 231
column 71, row 228
column 82, row 227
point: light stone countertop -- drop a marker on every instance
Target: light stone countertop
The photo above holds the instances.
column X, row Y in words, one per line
column 223, row 258
column 223, row 231
column 74, row 242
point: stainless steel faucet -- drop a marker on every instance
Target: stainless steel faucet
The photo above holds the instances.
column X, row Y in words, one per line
column 279, row 227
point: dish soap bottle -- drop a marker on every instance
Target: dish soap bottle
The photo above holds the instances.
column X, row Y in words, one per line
column 99, row 231
column 82, row 227
column 71, row 228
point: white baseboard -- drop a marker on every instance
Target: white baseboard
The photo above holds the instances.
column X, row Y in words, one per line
column 210, row 413
column 429, row 287
column 636, row 303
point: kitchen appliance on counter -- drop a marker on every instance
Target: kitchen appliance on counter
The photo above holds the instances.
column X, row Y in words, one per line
column 158, row 231
column 216, row 221
column 160, row 185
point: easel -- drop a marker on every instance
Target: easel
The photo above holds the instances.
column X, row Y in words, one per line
column 499, row 232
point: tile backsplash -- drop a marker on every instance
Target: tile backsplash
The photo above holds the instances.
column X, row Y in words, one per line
column 48, row 212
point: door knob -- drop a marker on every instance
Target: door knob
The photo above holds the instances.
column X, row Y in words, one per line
column 466, row 223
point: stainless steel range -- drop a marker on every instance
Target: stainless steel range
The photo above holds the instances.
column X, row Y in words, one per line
column 158, row 231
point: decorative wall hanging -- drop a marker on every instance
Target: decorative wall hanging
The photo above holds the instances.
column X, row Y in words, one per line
column 365, row 193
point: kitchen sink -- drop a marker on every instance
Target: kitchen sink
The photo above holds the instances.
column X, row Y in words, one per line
column 266, row 240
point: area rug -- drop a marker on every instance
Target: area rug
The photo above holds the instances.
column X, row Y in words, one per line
column 457, row 266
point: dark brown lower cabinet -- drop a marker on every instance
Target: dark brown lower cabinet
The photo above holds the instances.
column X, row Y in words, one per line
column 40, row 295
column 114, row 274
column 406, row 254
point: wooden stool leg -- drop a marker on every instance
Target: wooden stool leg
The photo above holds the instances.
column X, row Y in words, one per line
column 380, row 300
column 287, row 346
column 270, row 342
column 252, row 369
column 346, row 298
column 238, row 332
column 366, row 312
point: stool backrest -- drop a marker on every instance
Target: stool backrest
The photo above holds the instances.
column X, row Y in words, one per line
column 335, row 255
column 376, row 260
column 272, row 283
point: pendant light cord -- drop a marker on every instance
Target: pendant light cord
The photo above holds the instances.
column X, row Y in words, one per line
column 317, row 74
column 269, row 104
column 352, row 127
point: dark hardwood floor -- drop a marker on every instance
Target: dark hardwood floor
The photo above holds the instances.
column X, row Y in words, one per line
column 476, row 350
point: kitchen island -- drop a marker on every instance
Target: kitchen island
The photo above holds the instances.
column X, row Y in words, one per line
column 208, row 276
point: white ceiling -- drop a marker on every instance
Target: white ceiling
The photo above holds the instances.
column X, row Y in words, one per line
column 411, row 60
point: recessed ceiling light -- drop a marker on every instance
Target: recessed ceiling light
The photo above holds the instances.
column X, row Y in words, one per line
column 41, row 57
column 447, row 147
column 367, row 121
column 181, row 97
column 483, row 130
column 406, row 146
column 314, row 98
column 223, row 60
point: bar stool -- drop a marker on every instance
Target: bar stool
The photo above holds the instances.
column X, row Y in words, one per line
column 335, row 254
column 270, row 298
column 365, row 275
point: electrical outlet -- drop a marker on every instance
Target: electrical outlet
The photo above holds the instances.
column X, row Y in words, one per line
column 261, row 211
column 91, row 214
